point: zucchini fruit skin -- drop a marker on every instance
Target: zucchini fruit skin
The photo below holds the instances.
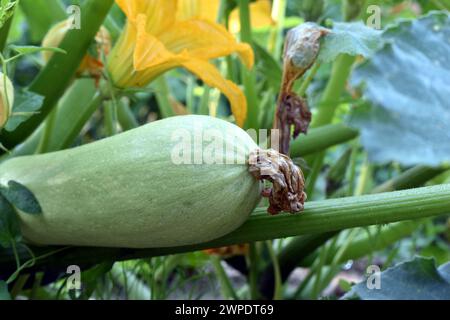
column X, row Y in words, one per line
column 126, row 191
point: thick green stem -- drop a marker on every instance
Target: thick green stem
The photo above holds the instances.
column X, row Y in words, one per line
column 318, row 217
column 319, row 139
column 335, row 86
column 409, row 179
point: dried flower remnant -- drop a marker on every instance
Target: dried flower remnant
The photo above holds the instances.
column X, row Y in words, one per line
column 302, row 47
column 228, row 252
column 287, row 193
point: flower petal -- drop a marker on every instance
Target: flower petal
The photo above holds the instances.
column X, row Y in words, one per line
column 203, row 9
column 160, row 13
column 205, row 40
column 212, row 77
column 149, row 50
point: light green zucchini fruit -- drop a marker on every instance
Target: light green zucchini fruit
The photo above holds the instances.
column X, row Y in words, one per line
column 127, row 190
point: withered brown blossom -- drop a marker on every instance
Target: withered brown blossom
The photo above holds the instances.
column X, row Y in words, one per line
column 287, row 192
column 302, row 47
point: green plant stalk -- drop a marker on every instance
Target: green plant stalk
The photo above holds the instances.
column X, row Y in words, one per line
column 253, row 271
column 319, row 139
column 248, row 76
column 323, row 253
column 335, row 86
column 307, row 81
column 110, row 118
column 410, row 179
column 352, row 170
column 364, row 177
column 57, row 75
column 318, row 217
column 288, row 259
column 125, row 116
column 204, row 101
column 278, row 292
column 49, row 124
column 335, row 254
column 162, row 94
column 225, row 284
column 327, row 108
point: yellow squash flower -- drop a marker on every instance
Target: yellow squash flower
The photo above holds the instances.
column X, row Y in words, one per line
column 155, row 41
column 260, row 13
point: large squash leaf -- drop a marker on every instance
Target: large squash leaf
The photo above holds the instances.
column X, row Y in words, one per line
column 412, row 280
column 407, row 85
column 353, row 38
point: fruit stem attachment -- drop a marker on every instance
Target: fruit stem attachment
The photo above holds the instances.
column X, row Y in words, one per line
column 287, row 193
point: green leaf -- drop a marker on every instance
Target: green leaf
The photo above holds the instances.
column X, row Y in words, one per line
column 9, row 224
column 33, row 49
column 268, row 67
column 6, row 10
column 412, row 280
column 40, row 16
column 350, row 38
column 91, row 277
column 4, row 294
column 26, row 103
column 21, row 197
column 406, row 83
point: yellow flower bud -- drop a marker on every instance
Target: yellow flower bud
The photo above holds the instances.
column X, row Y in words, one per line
column 7, row 99
column 92, row 62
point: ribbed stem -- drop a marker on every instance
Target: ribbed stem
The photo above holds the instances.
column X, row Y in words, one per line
column 318, row 217
column 319, row 139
